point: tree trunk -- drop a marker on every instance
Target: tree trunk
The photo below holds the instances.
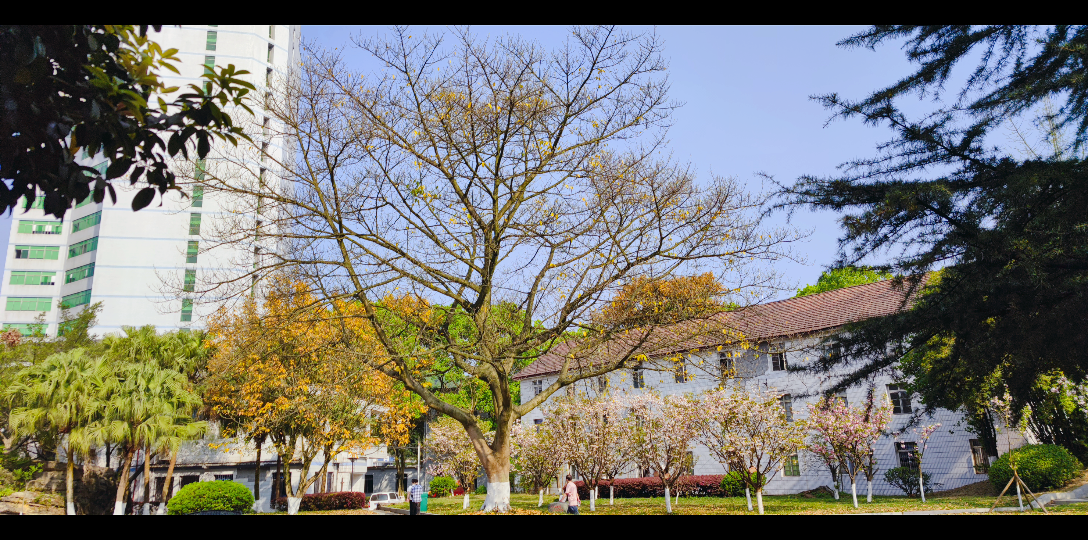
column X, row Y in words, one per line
column 748, row 495
column 168, row 482
column 854, row 491
column 668, row 500
column 1019, row 497
column 611, row 491
column 70, row 484
column 257, row 506
column 921, row 487
column 869, row 495
column 465, row 505
column 109, row 450
column 759, row 500
column 147, row 482
column 122, row 484
column 593, row 500
column 498, row 492
column 540, row 501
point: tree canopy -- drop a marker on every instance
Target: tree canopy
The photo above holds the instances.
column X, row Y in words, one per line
column 838, row 278
column 96, row 89
column 1009, row 235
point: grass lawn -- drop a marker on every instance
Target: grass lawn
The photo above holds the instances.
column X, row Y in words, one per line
column 777, row 504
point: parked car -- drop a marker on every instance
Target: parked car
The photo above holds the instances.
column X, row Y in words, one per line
column 385, row 498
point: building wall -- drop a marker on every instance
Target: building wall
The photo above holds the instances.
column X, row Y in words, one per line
column 141, row 257
column 948, row 458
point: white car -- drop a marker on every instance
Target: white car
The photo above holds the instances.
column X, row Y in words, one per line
column 385, row 498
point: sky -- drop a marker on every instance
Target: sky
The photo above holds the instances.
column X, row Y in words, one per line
column 747, row 107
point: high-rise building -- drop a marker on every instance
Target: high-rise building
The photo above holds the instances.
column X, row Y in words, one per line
column 140, row 265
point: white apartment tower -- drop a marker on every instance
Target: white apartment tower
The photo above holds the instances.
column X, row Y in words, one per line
column 106, row 252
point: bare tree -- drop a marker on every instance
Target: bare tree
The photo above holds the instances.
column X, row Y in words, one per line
column 483, row 174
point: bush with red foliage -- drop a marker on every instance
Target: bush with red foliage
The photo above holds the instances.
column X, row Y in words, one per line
column 343, row 500
column 709, row 485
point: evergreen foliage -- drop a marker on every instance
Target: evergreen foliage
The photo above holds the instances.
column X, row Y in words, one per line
column 1010, row 236
column 1040, row 466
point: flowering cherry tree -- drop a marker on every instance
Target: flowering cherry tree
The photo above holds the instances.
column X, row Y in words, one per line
column 660, row 437
column 453, row 454
column 920, row 450
column 820, row 443
column 537, row 456
column 593, row 435
column 756, row 437
column 846, row 435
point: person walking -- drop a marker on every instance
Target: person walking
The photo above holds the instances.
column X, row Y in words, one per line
column 415, row 497
column 570, row 494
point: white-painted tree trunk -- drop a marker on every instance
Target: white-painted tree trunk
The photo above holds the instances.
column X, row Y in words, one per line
column 118, row 508
column 593, row 500
column 835, row 489
column 1019, row 498
column 145, row 509
column 921, row 488
column 498, row 497
column 854, row 491
column 668, row 501
column 759, row 500
column 70, row 508
column 465, row 506
column 748, row 495
column 677, row 497
column 869, row 494
column 541, row 501
column 292, row 505
column 161, row 510
column 258, row 505
column 611, row 493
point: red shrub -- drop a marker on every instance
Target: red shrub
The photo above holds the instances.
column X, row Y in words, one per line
column 688, row 486
column 343, row 500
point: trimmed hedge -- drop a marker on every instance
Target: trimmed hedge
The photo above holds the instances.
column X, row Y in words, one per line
column 341, row 500
column 442, row 486
column 709, row 485
column 906, row 479
column 218, row 495
column 1040, row 466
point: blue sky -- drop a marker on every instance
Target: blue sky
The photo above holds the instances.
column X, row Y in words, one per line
column 747, row 108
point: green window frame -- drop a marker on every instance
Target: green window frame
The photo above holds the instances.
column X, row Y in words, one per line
column 186, row 309
column 49, row 253
column 270, row 49
column 79, row 273
column 192, row 251
column 201, row 169
column 40, row 227
column 77, row 299
column 213, row 36
column 194, row 223
column 209, row 64
column 88, row 200
column 26, row 329
column 32, row 278
column 190, row 280
column 87, row 222
column 86, row 246
column 198, row 196
column 29, row 304
column 39, row 203
column 791, row 466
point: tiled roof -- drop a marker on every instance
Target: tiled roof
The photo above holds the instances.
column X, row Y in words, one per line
column 781, row 319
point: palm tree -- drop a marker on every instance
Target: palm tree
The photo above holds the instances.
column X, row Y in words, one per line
column 64, row 393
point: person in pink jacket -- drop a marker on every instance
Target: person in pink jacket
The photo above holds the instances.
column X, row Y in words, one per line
column 570, row 494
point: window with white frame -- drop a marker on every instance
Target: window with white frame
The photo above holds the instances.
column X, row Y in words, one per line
column 727, row 365
column 787, row 407
column 538, row 387
column 791, row 466
column 638, row 380
column 778, row 361
column 978, row 457
column 900, row 399
column 905, row 452
column 680, row 371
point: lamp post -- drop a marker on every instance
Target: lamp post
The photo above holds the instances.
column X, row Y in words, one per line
column 352, row 459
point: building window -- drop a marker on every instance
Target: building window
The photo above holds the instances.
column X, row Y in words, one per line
column 80, row 248
column 689, row 463
column 787, row 407
column 40, row 227
column 727, row 365
column 87, row 222
column 201, row 169
column 192, row 251
column 226, row 477
column 39, row 203
column 76, row 274
column 194, row 223
column 89, row 199
column 681, row 370
column 271, row 31
column 190, row 280
column 198, row 196
column 264, row 127
column 978, row 457
column 842, row 396
column 538, row 387
column 26, row 329
column 77, row 299
column 186, row 309
column 778, row 361
column 791, row 466
column 32, row 278
column 538, row 421
column 602, row 383
column 570, row 391
column 209, row 64
column 832, row 352
column 271, row 47
column 900, row 399
column 368, row 483
column 638, row 380
column 29, row 304
column 905, row 451
column 48, row 253
column 213, row 36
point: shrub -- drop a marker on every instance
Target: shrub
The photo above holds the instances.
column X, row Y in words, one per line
column 732, row 485
column 442, row 486
column 906, row 479
column 481, row 490
column 1040, row 466
column 218, row 495
column 342, row 500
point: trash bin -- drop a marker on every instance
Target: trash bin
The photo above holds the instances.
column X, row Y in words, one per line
column 423, row 503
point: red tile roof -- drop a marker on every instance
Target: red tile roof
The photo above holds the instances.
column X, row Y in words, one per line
column 781, row 319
